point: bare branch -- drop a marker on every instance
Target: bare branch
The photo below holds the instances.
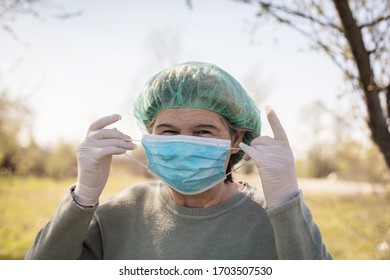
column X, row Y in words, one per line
column 269, row 7
column 40, row 9
column 375, row 22
column 388, row 103
column 356, row 36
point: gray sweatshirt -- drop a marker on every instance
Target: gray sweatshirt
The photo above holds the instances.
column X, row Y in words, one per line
column 142, row 222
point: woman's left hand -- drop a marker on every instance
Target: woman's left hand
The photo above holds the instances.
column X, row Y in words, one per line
column 275, row 162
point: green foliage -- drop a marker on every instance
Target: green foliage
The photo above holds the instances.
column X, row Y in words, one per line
column 335, row 150
column 30, row 160
column 349, row 161
column 61, row 162
column 13, row 114
column 321, row 162
column 361, row 163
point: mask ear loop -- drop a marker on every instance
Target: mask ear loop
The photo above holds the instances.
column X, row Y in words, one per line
column 133, row 158
column 234, row 169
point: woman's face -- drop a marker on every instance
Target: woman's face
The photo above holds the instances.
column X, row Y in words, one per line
column 194, row 122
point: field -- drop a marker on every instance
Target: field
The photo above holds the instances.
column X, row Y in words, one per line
column 354, row 225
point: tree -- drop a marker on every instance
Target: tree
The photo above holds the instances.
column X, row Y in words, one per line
column 13, row 115
column 61, row 162
column 10, row 10
column 31, row 159
column 355, row 34
column 333, row 148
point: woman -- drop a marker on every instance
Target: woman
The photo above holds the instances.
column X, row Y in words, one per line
column 200, row 122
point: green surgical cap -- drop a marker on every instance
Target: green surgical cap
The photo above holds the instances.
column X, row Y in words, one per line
column 202, row 86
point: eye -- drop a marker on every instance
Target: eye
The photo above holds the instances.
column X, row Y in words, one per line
column 203, row 132
column 169, row 132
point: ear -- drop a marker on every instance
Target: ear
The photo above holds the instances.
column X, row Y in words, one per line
column 237, row 139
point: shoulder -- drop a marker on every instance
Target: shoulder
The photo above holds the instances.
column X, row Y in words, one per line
column 255, row 195
column 133, row 195
column 254, row 205
column 126, row 207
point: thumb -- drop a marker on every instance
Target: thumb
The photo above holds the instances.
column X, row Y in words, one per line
column 249, row 151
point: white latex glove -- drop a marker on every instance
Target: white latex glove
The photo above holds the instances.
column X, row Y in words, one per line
column 275, row 162
column 94, row 159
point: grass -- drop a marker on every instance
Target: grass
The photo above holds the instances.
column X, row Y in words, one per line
column 25, row 205
column 352, row 226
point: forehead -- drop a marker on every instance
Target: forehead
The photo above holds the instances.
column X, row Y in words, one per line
column 189, row 117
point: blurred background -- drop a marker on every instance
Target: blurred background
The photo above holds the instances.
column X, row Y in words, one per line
column 324, row 68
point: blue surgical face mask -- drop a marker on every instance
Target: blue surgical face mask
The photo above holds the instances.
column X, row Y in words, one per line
column 188, row 164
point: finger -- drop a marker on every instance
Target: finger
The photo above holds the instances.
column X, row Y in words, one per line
column 111, row 150
column 263, row 140
column 111, row 133
column 246, row 157
column 275, row 124
column 258, row 154
column 103, row 122
column 249, row 151
column 95, row 154
column 114, row 142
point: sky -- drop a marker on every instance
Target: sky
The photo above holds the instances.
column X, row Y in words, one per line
column 74, row 71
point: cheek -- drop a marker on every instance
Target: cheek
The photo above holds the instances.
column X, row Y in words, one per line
column 227, row 161
column 236, row 140
column 235, row 146
column 229, row 154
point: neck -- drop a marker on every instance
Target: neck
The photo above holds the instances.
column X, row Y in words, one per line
column 209, row 198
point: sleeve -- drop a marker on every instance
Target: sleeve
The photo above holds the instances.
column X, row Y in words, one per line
column 63, row 236
column 296, row 234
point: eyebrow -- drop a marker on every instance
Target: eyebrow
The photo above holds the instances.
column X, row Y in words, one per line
column 164, row 125
column 209, row 126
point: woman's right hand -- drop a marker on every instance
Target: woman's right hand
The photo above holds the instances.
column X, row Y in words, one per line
column 275, row 161
column 94, row 157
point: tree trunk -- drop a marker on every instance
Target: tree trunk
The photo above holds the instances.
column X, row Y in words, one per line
column 376, row 119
